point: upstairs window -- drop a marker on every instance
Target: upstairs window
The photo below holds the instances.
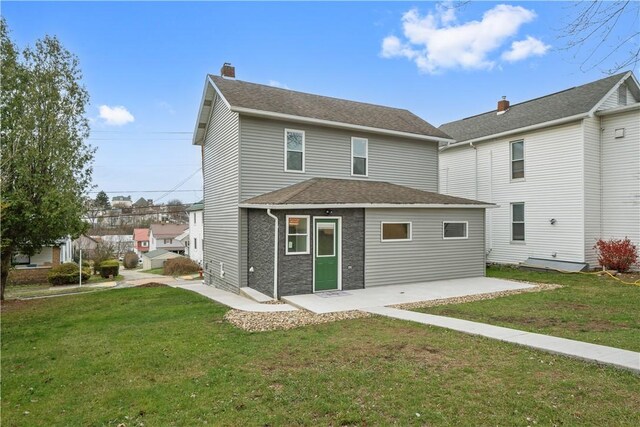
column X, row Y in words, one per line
column 293, row 150
column 359, row 156
column 194, row 217
column 195, row 243
column 517, row 222
column 517, row 160
column 622, row 95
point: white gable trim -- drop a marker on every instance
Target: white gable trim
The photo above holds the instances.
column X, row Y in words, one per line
column 611, row 92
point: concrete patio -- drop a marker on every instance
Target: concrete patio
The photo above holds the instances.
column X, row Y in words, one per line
column 334, row 301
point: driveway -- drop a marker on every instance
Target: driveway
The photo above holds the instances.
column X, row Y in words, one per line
column 334, row 301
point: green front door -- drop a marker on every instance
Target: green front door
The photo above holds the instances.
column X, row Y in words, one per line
column 327, row 254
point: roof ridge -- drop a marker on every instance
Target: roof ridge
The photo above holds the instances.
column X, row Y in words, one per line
column 314, row 94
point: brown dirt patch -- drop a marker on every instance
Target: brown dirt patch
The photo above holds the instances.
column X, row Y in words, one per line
column 17, row 304
column 540, row 322
column 152, row 285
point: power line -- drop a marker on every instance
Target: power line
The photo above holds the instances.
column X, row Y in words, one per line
column 180, row 184
column 144, row 191
column 143, row 131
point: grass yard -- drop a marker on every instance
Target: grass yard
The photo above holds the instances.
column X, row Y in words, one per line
column 46, row 289
column 163, row 356
column 588, row 308
column 159, row 270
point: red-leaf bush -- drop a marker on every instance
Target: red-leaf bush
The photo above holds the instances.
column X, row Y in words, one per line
column 616, row 254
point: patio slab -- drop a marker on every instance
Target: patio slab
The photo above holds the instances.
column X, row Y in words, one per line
column 334, row 301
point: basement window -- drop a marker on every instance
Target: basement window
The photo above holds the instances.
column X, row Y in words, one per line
column 455, row 230
column 395, row 231
column 297, row 235
column 293, row 150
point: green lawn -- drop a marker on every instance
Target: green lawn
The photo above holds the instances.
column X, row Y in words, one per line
column 46, row 289
column 588, row 308
column 159, row 270
column 163, row 356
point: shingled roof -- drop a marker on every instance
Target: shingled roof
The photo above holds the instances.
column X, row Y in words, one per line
column 353, row 193
column 567, row 103
column 252, row 96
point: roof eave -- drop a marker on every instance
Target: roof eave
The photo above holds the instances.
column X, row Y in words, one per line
column 366, row 206
column 301, row 119
column 556, row 122
column 621, row 109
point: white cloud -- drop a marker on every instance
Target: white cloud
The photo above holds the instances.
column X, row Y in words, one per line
column 523, row 49
column 167, row 107
column 436, row 41
column 276, row 83
column 115, row 116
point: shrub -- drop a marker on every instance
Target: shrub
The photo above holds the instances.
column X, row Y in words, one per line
column 180, row 265
column 616, row 254
column 130, row 260
column 110, row 267
column 67, row 273
column 102, row 252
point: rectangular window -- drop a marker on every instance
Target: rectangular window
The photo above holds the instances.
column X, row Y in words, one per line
column 168, row 241
column 195, row 243
column 455, row 230
column 395, row 231
column 622, row 95
column 194, row 217
column 145, row 244
column 517, row 222
column 517, row 160
column 297, row 234
column 359, row 156
column 293, row 150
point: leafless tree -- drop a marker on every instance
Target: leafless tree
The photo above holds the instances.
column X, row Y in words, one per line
column 603, row 31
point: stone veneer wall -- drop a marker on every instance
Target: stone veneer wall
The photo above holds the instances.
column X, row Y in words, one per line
column 295, row 272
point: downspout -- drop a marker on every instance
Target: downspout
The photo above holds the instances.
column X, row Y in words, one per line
column 275, row 254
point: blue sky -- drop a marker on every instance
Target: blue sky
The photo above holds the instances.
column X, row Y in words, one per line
column 151, row 59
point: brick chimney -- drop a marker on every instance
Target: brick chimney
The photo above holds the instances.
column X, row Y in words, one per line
column 503, row 104
column 228, row 71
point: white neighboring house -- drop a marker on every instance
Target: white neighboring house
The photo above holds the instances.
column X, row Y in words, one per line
column 121, row 243
column 156, row 258
column 564, row 170
column 163, row 236
column 196, row 231
column 58, row 253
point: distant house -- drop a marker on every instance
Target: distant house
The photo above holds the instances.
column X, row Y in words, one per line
column 564, row 170
column 142, row 203
column 121, row 201
column 141, row 240
column 163, row 236
column 156, row 258
column 196, row 231
column 87, row 244
column 34, row 268
column 121, row 243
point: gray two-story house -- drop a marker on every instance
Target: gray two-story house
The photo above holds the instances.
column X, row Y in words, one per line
column 306, row 193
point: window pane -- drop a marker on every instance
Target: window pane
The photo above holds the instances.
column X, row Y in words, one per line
column 325, row 240
column 359, row 147
column 518, row 231
column 297, row 243
column 359, row 166
column 395, row 231
column 294, row 161
column 517, row 169
column 455, row 229
column 518, row 212
column 297, row 225
column 294, row 141
column 517, row 150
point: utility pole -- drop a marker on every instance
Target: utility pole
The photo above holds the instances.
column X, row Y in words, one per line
column 80, row 270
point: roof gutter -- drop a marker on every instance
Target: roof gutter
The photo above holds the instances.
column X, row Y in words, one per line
column 616, row 110
column 520, row 130
column 366, row 205
column 321, row 122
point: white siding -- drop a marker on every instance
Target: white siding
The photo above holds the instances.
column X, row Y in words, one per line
column 552, row 188
column 427, row 256
column 328, row 155
column 221, row 193
column 612, row 100
column 621, row 177
column 196, row 231
column 592, row 187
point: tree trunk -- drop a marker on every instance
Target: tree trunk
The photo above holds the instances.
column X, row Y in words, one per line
column 5, row 266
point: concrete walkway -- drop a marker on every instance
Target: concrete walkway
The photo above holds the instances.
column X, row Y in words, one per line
column 333, row 301
column 229, row 299
column 590, row 352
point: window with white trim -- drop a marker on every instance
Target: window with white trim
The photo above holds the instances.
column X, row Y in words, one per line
column 293, row 150
column 297, row 234
column 455, row 230
column 145, row 244
column 195, row 243
column 517, row 222
column 517, row 160
column 395, row 231
column 359, row 156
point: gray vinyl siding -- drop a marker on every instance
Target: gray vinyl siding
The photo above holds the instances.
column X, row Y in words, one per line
column 427, row 256
column 328, row 154
column 221, row 191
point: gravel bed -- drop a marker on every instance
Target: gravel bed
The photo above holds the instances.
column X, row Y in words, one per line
column 270, row 321
column 538, row 287
column 260, row 322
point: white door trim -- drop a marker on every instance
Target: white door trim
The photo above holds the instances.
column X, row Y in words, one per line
column 339, row 218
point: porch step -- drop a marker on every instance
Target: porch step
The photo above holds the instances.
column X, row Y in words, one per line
column 255, row 295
